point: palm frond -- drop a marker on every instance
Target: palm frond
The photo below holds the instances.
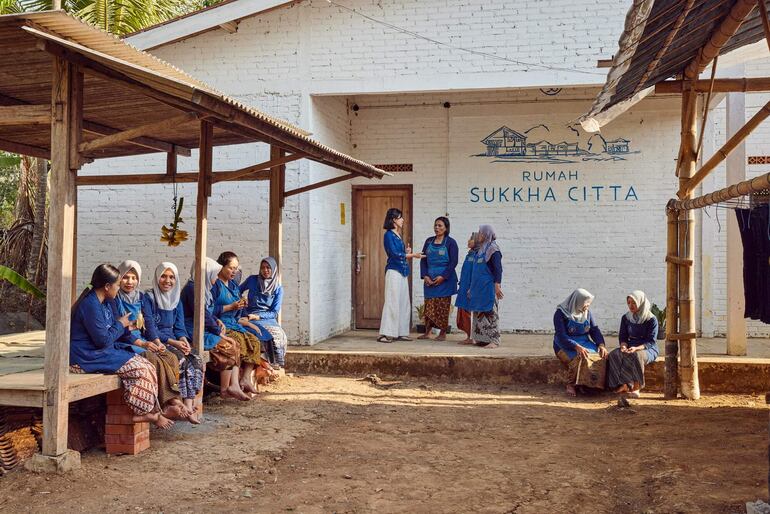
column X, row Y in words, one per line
column 20, row 282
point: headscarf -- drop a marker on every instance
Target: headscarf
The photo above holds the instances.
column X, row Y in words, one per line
column 124, row 267
column 167, row 300
column 571, row 307
column 212, row 270
column 269, row 285
column 489, row 246
column 645, row 311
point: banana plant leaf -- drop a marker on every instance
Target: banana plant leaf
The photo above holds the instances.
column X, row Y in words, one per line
column 22, row 283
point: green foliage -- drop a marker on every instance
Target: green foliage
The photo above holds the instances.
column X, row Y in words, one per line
column 660, row 315
column 10, row 172
column 421, row 312
column 20, row 282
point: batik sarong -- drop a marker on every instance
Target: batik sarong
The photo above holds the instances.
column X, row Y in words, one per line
column 140, row 385
column 625, row 368
column 485, row 327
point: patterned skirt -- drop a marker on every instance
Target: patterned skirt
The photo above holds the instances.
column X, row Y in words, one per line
column 590, row 371
column 167, row 372
column 625, row 368
column 485, row 327
column 437, row 311
column 279, row 343
column 140, row 385
column 250, row 347
column 225, row 355
column 190, row 373
column 464, row 321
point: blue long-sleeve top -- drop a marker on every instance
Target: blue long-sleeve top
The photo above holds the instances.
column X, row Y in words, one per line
column 640, row 334
column 451, row 245
column 495, row 265
column 266, row 306
column 133, row 310
column 94, row 336
column 562, row 338
column 187, row 299
column 162, row 324
column 396, row 251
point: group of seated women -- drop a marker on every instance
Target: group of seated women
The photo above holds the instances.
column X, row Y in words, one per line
column 579, row 345
column 145, row 337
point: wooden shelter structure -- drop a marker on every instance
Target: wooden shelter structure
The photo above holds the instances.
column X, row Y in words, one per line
column 680, row 39
column 72, row 94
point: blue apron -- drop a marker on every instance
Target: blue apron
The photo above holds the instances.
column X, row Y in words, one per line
column 482, row 290
column 438, row 260
column 578, row 332
column 465, row 281
column 227, row 296
column 133, row 311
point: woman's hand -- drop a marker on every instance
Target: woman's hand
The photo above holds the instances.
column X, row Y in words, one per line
column 428, row 281
column 254, row 317
column 155, row 346
column 581, row 351
column 183, row 346
column 632, row 349
column 222, row 327
column 602, row 352
column 438, row 280
column 123, row 320
column 499, row 292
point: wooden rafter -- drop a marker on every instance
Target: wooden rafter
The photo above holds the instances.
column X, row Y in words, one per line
column 25, row 115
column 125, row 135
column 666, row 44
column 742, row 85
column 765, row 21
column 322, row 183
column 251, row 171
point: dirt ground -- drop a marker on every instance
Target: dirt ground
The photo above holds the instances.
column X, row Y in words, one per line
column 326, row 444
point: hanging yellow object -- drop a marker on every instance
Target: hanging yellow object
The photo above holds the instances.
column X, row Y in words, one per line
column 173, row 235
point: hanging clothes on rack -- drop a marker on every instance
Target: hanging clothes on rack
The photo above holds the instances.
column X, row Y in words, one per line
column 755, row 236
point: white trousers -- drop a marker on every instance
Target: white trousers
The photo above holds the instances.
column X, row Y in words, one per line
column 396, row 312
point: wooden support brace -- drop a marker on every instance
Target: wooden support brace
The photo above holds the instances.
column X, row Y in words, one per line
column 678, row 260
column 261, row 170
column 765, row 21
column 322, row 183
column 682, row 337
column 125, row 135
column 25, row 115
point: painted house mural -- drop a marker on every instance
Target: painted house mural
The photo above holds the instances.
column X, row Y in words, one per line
column 508, row 145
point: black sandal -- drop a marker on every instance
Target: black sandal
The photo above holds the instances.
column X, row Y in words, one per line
column 384, row 339
column 403, row 338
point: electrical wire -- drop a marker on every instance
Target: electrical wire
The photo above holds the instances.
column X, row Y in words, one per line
column 459, row 48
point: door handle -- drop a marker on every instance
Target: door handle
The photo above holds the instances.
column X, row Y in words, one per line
column 359, row 255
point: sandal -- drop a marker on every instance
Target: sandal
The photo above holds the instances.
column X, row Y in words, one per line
column 384, row 339
column 403, row 338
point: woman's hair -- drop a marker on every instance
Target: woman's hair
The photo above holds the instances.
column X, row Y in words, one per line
column 103, row 275
column 225, row 258
column 444, row 220
column 390, row 217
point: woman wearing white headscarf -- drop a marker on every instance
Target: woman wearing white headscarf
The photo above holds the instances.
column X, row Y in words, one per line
column 578, row 342
column 638, row 346
column 485, row 290
column 165, row 324
column 224, row 352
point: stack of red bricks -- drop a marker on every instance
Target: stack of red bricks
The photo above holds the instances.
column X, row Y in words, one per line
column 121, row 434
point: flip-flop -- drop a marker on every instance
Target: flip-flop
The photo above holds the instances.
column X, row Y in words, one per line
column 384, row 339
column 403, row 338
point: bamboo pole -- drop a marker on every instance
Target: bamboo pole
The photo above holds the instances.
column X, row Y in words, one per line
column 746, row 187
column 688, row 364
column 742, row 85
column 671, row 376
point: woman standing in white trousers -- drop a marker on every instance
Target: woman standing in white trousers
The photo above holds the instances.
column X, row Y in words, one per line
column 397, row 309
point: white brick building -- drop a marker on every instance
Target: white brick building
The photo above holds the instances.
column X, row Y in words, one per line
column 575, row 210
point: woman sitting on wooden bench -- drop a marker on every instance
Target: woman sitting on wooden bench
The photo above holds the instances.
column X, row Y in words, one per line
column 95, row 330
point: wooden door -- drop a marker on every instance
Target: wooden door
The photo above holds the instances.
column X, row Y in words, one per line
column 370, row 203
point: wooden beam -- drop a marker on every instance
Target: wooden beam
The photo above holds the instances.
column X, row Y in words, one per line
column 22, row 149
column 171, row 165
column 165, row 178
column 688, row 361
column 671, row 371
column 322, row 183
column 125, row 135
column 744, row 188
column 201, row 228
column 251, row 171
column 25, row 115
column 75, row 162
column 60, row 257
column 765, row 21
column 720, row 155
column 275, row 236
column 743, row 85
column 719, row 36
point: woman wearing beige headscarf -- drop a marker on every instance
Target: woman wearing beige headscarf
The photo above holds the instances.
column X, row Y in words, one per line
column 638, row 347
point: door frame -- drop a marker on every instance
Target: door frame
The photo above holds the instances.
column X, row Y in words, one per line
column 353, row 204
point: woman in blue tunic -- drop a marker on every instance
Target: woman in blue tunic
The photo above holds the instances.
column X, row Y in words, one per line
column 638, row 346
column 485, row 289
column 129, row 301
column 164, row 324
column 228, row 305
column 224, row 352
column 578, row 343
column 397, row 308
column 265, row 295
column 461, row 302
column 95, row 329
column 437, row 271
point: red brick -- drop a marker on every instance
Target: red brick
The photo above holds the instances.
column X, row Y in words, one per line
column 115, row 397
column 119, row 409
column 129, row 449
column 132, row 429
column 141, row 437
column 119, row 419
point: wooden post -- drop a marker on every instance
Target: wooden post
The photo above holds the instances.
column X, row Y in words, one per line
column 201, row 227
column 76, row 134
column 736, row 172
column 277, row 185
column 688, row 364
column 671, row 376
column 60, row 265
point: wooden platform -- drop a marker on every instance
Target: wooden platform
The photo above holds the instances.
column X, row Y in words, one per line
column 21, row 373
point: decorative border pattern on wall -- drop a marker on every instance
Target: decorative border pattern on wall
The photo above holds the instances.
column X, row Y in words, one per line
column 395, row 168
column 759, row 159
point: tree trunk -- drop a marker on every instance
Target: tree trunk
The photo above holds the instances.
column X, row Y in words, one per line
column 38, row 233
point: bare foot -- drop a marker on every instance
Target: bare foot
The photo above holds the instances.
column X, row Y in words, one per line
column 492, row 346
column 173, row 411
column 150, row 417
column 571, row 390
column 441, row 337
column 235, row 393
column 467, row 341
column 184, row 411
column 163, row 422
column 247, row 387
column 622, row 389
column 193, row 417
column 424, row 336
